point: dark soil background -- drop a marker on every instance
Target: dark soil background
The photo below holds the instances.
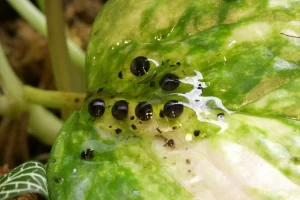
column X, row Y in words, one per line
column 27, row 53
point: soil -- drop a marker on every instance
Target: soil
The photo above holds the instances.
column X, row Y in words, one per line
column 27, row 53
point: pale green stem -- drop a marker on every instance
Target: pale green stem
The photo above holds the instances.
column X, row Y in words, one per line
column 43, row 123
column 66, row 77
column 10, row 81
column 12, row 86
column 34, row 17
column 41, row 5
column 6, row 105
column 54, row 99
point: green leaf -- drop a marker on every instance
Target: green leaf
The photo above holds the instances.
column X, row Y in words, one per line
column 122, row 167
column 228, row 55
column 41, row 5
column 30, row 177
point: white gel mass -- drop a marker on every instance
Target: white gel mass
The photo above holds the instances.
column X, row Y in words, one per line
column 199, row 103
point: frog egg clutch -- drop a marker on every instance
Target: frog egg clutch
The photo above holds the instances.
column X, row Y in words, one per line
column 163, row 77
column 161, row 114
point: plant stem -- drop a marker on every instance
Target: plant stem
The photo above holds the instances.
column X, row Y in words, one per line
column 6, row 105
column 12, row 86
column 34, row 17
column 54, row 99
column 41, row 5
column 43, row 123
column 64, row 74
column 10, row 81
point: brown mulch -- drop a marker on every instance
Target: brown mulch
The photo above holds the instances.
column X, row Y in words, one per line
column 4, row 169
column 27, row 53
column 29, row 197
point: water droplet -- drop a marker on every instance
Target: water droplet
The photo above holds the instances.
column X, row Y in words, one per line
column 188, row 137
